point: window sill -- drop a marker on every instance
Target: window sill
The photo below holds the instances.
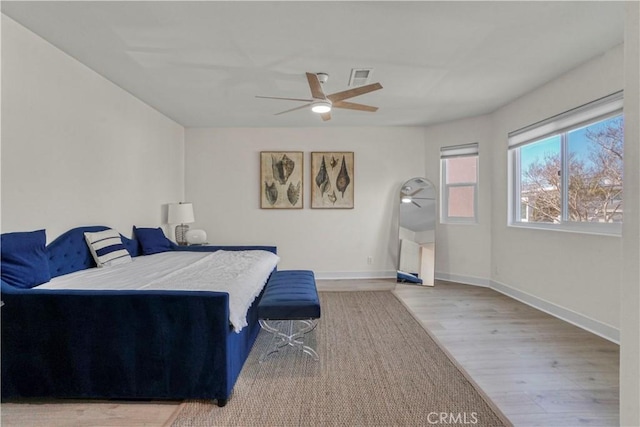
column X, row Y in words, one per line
column 610, row 230
column 458, row 222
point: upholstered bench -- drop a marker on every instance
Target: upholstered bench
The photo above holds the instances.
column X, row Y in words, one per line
column 289, row 309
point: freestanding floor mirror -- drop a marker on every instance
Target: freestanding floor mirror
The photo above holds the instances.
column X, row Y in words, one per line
column 417, row 237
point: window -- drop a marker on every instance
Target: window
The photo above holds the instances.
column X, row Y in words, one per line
column 566, row 171
column 459, row 184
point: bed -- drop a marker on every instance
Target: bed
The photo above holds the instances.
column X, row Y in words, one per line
column 151, row 341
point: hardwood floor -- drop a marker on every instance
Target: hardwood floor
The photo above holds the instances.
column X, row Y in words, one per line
column 540, row 371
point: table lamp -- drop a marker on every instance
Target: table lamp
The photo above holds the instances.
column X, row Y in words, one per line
column 181, row 214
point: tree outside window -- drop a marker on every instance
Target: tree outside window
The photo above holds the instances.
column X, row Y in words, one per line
column 574, row 176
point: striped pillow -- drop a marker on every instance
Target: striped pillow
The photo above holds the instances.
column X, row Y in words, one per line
column 107, row 248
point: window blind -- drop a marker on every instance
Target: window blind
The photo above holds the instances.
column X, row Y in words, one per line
column 602, row 108
column 459, row 150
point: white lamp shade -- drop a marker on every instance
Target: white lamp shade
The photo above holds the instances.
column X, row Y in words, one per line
column 181, row 213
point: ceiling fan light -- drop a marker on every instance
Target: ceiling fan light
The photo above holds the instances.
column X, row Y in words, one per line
column 406, row 199
column 321, row 107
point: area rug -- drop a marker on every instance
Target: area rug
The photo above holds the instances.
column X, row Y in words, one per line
column 378, row 367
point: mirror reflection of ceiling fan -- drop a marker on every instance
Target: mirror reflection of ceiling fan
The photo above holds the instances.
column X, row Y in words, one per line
column 408, row 197
column 323, row 104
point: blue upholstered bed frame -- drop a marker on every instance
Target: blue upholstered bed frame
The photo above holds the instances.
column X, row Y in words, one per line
column 119, row 344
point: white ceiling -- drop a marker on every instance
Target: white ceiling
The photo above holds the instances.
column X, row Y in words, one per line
column 202, row 63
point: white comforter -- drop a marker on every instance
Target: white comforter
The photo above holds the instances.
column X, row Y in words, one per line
column 242, row 274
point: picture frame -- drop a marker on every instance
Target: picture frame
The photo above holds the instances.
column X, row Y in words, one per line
column 281, row 180
column 332, row 179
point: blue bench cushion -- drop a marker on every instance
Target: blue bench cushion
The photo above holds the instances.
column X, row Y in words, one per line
column 408, row 277
column 290, row 295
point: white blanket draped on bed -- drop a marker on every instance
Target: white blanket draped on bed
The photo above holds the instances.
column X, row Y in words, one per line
column 242, row 274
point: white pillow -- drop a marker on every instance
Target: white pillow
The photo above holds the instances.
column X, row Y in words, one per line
column 107, row 248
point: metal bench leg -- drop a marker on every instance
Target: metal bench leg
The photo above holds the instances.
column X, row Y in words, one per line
column 285, row 334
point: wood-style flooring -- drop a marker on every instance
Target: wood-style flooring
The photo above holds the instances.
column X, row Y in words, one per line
column 539, row 370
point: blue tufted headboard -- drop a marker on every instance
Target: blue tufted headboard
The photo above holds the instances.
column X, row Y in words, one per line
column 69, row 251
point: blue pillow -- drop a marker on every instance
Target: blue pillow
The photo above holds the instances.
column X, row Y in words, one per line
column 152, row 240
column 25, row 261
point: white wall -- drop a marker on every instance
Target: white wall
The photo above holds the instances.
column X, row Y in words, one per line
column 574, row 276
column 223, row 182
column 463, row 252
column 579, row 273
column 630, row 291
column 76, row 149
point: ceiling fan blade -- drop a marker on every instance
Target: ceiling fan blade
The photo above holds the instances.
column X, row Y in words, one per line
column 316, row 87
column 416, row 192
column 286, row 99
column 293, row 109
column 350, row 93
column 416, row 204
column 354, row 106
column 325, row 116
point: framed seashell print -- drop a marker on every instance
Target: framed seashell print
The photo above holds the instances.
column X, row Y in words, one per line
column 332, row 180
column 281, row 180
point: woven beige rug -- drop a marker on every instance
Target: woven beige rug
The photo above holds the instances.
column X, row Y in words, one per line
column 378, row 367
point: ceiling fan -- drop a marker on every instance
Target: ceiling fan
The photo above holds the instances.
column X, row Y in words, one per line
column 322, row 104
column 408, row 197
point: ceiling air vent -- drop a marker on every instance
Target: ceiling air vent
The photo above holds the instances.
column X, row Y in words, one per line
column 360, row 76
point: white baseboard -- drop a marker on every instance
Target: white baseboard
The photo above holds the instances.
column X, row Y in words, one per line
column 603, row 330
column 467, row 280
column 345, row 275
